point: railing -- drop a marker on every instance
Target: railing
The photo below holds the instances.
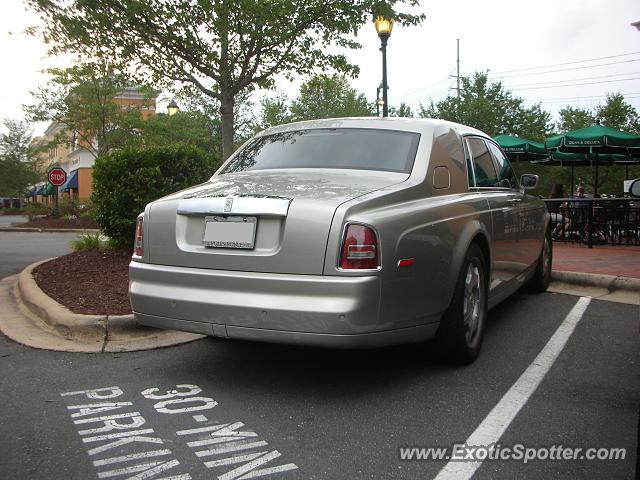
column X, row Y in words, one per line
column 595, row 221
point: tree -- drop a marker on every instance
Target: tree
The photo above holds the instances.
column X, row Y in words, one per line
column 194, row 101
column 222, row 47
column 321, row 96
column 403, row 110
column 616, row 113
column 17, row 159
column 573, row 118
column 185, row 127
column 82, row 98
column 487, row 106
column 274, row 111
column 329, row 96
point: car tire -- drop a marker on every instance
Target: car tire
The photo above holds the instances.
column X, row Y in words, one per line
column 542, row 275
column 461, row 330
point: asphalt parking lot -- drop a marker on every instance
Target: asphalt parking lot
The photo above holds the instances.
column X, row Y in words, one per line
column 19, row 249
column 246, row 410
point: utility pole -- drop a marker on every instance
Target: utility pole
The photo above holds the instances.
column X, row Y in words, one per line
column 458, row 67
column 457, row 75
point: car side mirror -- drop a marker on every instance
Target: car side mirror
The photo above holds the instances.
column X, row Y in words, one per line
column 529, row 181
column 634, row 188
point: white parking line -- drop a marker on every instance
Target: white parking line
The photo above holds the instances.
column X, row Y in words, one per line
column 497, row 421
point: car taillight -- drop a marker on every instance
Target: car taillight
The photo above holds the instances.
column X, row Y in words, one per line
column 138, row 246
column 359, row 248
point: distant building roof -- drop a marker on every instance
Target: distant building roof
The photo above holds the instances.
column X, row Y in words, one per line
column 136, row 92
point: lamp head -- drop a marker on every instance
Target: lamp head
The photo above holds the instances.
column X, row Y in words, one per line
column 172, row 108
column 384, row 26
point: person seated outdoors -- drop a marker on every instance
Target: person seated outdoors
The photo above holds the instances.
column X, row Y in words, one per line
column 556, row 209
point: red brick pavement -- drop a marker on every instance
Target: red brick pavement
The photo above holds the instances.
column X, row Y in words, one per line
column 601, row 259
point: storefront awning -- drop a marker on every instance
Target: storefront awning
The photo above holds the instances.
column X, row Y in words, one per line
column 49, row 190
column 71, row 183
column 40, row 190
column 32, row 191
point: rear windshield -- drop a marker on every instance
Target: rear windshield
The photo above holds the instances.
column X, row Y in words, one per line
column 356, row 148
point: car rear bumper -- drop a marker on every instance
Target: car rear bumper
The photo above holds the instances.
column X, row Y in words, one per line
column 299, row 309
column 359, row 340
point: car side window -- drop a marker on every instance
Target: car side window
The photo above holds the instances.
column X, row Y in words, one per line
column 483, row 166
column 506, row 177
column 471, row 180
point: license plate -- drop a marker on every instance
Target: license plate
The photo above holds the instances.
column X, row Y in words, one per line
column 229, row 232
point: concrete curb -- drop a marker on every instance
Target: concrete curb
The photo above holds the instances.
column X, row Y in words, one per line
column 62, row 320
column 120, row 333
column 49, row 230
column 117, row 333
column 610, row 282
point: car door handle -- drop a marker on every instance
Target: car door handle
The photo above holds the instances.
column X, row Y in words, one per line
column 514, row 200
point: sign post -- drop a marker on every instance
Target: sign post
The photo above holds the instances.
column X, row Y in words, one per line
column 56, row 176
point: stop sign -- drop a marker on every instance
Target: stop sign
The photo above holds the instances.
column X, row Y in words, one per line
column 57, row 176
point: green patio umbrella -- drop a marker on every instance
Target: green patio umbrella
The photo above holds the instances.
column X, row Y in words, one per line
column 573, row 160
column 596, row 140
column 518, row 148
column 564, row 159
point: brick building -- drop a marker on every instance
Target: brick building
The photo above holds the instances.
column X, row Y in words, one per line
column 77, row 157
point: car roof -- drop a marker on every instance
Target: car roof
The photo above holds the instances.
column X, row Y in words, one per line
column 418, row 125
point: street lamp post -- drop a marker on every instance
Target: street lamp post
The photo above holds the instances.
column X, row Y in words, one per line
column 383, row 27
column 172, row 108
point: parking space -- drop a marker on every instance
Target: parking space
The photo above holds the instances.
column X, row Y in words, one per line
column 592, row 391
column 246, row 410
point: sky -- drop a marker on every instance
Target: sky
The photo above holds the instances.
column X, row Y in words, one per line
column 558, row 52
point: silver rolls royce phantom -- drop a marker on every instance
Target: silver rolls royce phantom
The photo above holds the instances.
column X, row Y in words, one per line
column 345, row 232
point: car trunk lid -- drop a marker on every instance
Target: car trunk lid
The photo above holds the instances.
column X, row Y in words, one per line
column 288, row 214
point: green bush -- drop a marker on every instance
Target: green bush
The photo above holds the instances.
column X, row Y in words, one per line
column 85, row 208
column 88, row 241
column 12, row 211
column 126, row 180
column 34, row 210
column 68, row 207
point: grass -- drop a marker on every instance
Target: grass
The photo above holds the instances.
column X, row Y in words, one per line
column 90, row 241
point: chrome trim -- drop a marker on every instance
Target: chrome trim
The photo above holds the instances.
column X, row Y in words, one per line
column 276, row 207
column 378, row 250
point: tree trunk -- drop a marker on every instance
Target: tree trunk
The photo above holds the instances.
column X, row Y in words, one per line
column 226, row 112
column 227, row 98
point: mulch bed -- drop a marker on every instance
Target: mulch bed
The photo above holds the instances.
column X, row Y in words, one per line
column 61, row 223
column 89, row 281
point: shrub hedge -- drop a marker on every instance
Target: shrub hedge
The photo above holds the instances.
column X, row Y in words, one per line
column 126, row 180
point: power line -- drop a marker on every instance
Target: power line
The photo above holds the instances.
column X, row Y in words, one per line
column 585, row 97
column 578, row 84
column 573, row 79
column 566, row 69
column 423, row 88
column 581, row 99
column 568, row 63
column 438, row 93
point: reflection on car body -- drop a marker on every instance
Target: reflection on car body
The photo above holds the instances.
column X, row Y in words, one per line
column 354, row 232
